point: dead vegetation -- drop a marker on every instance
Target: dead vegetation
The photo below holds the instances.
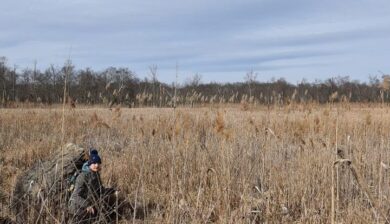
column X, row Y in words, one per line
column 223, row 165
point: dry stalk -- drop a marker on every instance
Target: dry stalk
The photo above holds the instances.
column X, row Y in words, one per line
column 136, row 192
column 116, row 207
column 172, row 193
column 332, row 210
column 63, row 125
column 333, row 201
column 337, row 168
column 376, row 209
column 382, row 167
column 269, row 130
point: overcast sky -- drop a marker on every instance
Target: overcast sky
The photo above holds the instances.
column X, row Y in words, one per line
column 220, row 40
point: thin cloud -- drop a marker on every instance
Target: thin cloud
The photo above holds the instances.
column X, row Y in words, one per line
column 304, row 37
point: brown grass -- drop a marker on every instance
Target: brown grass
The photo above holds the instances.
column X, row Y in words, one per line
column 227, row 165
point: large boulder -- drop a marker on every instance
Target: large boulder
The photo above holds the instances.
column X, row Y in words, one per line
column 41, row 193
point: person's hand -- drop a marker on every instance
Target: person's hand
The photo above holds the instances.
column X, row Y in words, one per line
column 90, row 210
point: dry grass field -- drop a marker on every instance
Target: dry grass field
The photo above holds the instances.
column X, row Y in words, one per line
column 220, row 164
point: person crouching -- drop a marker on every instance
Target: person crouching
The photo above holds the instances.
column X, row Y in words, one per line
column 86, row 199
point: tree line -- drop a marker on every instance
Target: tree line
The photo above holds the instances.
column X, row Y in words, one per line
column 114, row 86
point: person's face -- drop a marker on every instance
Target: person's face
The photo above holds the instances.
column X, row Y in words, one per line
column 94, row 167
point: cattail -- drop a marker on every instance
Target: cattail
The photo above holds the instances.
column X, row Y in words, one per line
column 117, row 113
column 219, row 123
column 368, row 119
column 231, row 99
column 115, row 93
column 95, row 121
column 333, row 96
column 72, row 102
column 251, row 99
column 294, row 95
column 108, row 86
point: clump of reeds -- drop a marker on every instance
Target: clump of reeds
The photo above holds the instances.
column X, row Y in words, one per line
column 96, row 122
column 333, row 97
column 219, row 123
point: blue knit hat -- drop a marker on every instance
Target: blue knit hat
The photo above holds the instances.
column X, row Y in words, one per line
column 94, row 157
column 93, row 151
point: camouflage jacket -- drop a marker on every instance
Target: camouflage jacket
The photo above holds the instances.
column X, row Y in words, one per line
column 87, row 192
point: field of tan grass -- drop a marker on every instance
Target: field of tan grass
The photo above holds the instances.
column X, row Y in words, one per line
column 220, row 164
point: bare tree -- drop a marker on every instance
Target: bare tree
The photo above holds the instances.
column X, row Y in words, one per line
column 153, row 77
column 250, row 79
column 14, row 77
column 3, row 78
column 194, row 81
